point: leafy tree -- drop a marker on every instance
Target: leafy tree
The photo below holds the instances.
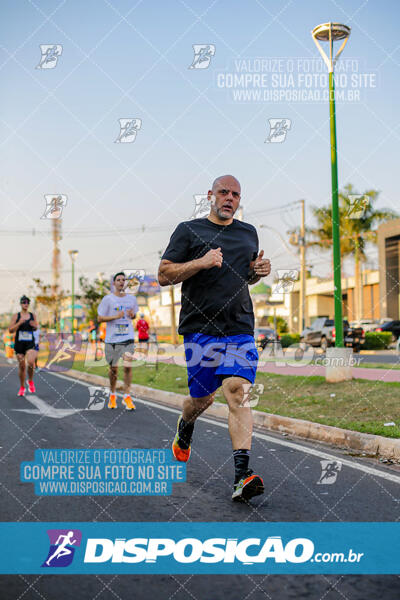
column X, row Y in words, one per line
column 45, row 295
column 92, row 294
column 356, row 231
column 261, row 288
column 281, row 324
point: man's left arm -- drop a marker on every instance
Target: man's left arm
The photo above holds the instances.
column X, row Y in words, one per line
column 132, row 312
column 260, row 267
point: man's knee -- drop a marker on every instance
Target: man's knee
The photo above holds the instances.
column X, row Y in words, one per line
column 207, row 400
column 127, row 359
column 127, row 371
column 233, row 390
column 202, row 403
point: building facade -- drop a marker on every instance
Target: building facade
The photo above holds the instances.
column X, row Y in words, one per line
column 320, row 299
column 389, row 267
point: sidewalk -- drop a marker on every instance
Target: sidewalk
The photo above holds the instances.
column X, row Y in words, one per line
column 385, row 375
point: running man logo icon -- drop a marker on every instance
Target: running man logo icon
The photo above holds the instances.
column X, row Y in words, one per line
column 62, row 547
column 62, row 351
column 330, row 470
column 357, row 206
column 201, row 206
column 251, row 394
column 98, row 396
column 134, row 278
column 128, row 130
column 202, row 56
column 278, row 129
column 286, row 281
column 50, row 55
column 54, row 206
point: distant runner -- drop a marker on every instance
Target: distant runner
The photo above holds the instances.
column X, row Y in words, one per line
column 117, row 310
column 92, row 334
column 36, row 339
column 24, row 324
column 216, row 258
column 8, row 340
column 142, row 328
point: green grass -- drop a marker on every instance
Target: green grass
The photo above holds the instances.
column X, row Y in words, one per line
column 387, row 366
column 360, row 405
column 171, row 378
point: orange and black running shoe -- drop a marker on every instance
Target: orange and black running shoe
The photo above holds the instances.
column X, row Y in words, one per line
column 248, row 486
column 180, row 448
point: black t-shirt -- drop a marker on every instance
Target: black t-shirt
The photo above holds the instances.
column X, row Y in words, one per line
column 215, row 301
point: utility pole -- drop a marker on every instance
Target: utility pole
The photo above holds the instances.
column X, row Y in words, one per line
column 73, row 254
column 302, row 243
column 72, row 297
column 55, row 288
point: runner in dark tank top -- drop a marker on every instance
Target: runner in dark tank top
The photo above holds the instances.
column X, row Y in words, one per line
column 23, row 324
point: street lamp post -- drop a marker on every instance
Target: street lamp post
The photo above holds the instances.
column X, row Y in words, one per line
column 73, row 254
column 330, row 32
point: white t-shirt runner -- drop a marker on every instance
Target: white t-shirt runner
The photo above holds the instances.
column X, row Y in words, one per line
column 36, row 336
column 121, row 329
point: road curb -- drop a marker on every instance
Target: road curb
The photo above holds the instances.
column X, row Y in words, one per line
column 376, row 445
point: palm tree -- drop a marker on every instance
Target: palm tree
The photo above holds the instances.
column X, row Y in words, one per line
column 357, row 228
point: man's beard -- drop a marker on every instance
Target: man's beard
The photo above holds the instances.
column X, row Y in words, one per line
column 223, row 216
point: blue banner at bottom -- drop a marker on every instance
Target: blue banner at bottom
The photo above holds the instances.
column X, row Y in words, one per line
column 195, row 548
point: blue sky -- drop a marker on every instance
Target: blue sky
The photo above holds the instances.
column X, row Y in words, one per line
column 130, row 60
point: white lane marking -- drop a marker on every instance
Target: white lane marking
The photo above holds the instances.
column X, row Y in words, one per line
column 268, row 438
column 42, row 408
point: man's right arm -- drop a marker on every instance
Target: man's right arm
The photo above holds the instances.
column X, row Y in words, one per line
column 102, row 319
column 170, row 273
column 104, row 307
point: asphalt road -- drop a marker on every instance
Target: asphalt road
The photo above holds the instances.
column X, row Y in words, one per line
column 290, row 471
column 389, row 357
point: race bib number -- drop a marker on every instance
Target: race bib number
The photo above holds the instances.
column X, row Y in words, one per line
column 25, row 336
column 121, row 328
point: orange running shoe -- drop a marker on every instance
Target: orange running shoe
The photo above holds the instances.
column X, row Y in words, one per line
column 181, row 454
column 248, row 486
column 112, row 403
column 127, row 400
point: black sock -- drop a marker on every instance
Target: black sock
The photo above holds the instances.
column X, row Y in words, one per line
column 241, row 458
column 185, row 434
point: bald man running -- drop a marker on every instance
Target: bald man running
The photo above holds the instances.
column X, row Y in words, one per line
column 216, row 258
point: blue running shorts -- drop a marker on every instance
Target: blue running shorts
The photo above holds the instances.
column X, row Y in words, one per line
column 209, row 359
